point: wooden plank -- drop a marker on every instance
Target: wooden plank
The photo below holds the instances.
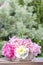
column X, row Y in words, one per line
column 28, row 63
column 35, row 61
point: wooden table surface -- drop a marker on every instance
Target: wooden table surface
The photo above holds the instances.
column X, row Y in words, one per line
column 35, row 61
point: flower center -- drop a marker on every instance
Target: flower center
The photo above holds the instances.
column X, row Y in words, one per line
column 21, row 50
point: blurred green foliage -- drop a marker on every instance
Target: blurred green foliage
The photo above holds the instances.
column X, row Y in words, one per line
column 39, row 10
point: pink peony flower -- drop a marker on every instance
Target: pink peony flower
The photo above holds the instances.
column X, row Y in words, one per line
column 14, row 41
column 18, row 42
column 35, row 49
column 10, row 47
column 27, row 42
column 8, row 50
column 24, row 41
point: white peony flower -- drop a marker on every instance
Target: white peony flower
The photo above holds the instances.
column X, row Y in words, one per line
column 21, row 52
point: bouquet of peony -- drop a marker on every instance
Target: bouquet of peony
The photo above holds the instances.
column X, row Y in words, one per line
column 17, row 48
